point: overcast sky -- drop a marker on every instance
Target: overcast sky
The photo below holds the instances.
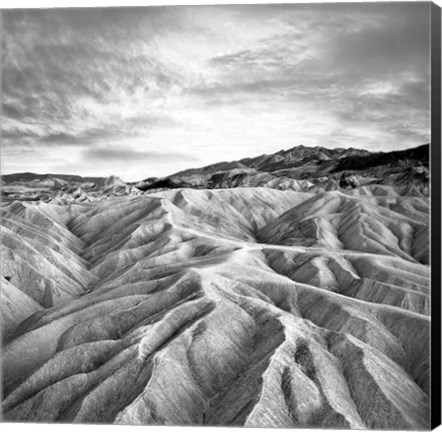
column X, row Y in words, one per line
column 151, row 91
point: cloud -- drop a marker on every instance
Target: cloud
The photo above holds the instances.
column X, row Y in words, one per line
column 11, row 111
column 210, row 83
column 128, row 155
column 79, row 70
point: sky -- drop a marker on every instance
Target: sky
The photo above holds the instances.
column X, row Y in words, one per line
column 143, row 92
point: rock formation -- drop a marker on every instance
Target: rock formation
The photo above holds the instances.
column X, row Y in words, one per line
column 304, row 307
column 313, row 169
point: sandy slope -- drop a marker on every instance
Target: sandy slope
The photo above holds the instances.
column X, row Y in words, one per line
column 247, row 306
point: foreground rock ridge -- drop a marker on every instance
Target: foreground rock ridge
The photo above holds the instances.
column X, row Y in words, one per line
column 247, row 306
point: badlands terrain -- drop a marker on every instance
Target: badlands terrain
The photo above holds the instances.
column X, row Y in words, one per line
column 287, row 290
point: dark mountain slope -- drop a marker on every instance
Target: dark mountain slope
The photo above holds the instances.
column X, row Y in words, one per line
column 303, row 168
column 419, row 155
column 28, row 176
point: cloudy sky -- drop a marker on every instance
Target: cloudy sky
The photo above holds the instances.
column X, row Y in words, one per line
column 149, row 91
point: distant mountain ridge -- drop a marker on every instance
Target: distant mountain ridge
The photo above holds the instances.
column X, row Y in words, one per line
column 421, row 153
column 281, row 159
column 300, row 168
column 29, row 176
column 62, row 188
column 290, row 169
column 299, row 154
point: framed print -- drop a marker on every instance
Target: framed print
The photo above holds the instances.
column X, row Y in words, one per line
column 222, row 215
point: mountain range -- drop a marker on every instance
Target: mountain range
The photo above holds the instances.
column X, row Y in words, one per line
column 289, row 290
column 302, row 167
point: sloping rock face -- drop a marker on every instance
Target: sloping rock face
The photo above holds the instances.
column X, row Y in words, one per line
column 247, row 306
column 311, row 169
column 62, row 189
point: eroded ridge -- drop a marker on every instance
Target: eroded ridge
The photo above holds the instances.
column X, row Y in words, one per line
column 249, row 306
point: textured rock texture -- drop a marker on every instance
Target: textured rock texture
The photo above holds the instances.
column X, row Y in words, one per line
column 247, row 306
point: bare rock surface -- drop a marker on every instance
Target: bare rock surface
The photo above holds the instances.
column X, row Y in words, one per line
column 313, row 169
column 243, row 306
column 302, row 169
